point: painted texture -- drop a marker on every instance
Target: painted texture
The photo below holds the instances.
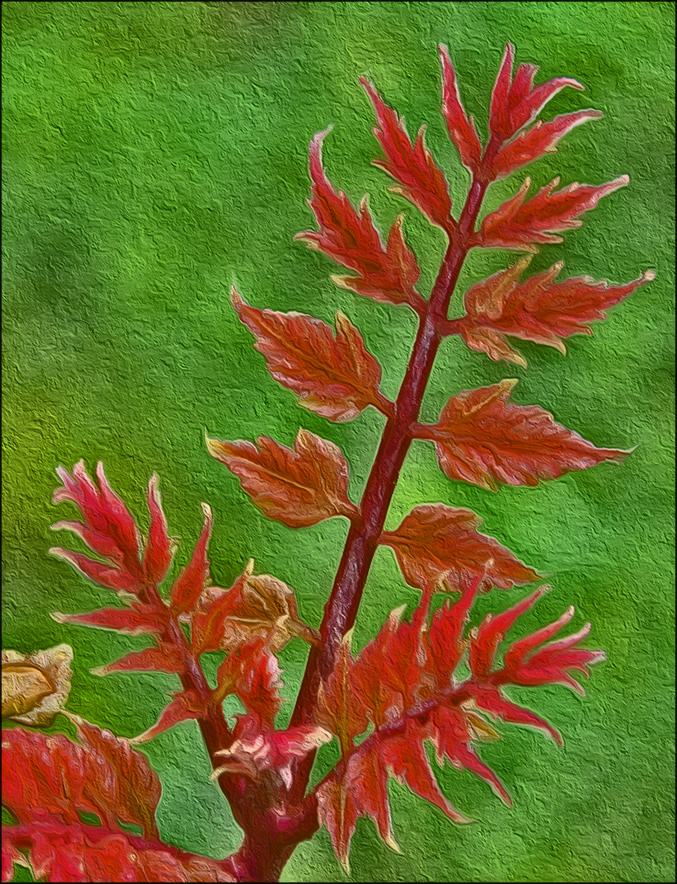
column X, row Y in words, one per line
column 155, row 152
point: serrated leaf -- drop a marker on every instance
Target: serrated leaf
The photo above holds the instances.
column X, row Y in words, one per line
column 462, row 130
column 538, row 309
column 190, row 583
column 298, row 487
column 387, row 274
column 437, row 541
column 524, row 225
column 482, row 438
column 334, row 377
column 419, row 178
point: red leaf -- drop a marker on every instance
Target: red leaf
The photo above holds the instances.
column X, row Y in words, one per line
column 157, row 556
column 104, row 776
column 445, row 636
column 420, row 179
column 130, row 621
column 492, row 631
column 452, row 739
column 439, row 541
column 253, row 673
column 78, row 852
column 461, row 129
column 254, row 750
column 534, row 143
column 186, row 706
column 336, row 378
column 98, row 572
column 520, row 225
column 298, row 487
column 136, row 789
column 539, row 309
column 385, row 274
column 165, row 658
column 515, row 103
column 405, row 754
column 108, row 527
column 483, row 439
column 490, row 699
column 339, row 708
column 191, row 581
column 207, row 624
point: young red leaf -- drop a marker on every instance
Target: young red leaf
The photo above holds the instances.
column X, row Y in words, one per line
column 335, row 377
column 421, row 181
column 135, row 620
column 520, row 225
column 539, row 309
column 461, row 129
column 253, row 673
column 108, row 527
column 538, row 141
column 137, row 790
column 492, row 631
column 185, row 706
column 483, row 438
column 405, row 755
column 388, row 274
column 254, row 750
column 164, row 658
column 79, row 852
column 208, row 621
column 437, row 541
column 102, row 574
column 339, row 708
column 515, row 103
column 191, row 581
column 444, row 639
column 298, row 487
column 157, row 556
column 452, row 737
column 490, row 699
column 551, row 663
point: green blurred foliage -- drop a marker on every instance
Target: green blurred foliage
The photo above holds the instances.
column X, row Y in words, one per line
column 154, row 153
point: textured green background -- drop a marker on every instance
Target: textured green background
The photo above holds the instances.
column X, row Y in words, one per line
column 155, row 152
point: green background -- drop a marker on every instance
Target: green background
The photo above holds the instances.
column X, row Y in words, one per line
column 154, row 153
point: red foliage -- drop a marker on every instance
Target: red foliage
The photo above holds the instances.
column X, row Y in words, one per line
column 385, row 274
column 539, row 309
column 335, row 377
column 406, row 688
column 298, row 487
column 483, row 438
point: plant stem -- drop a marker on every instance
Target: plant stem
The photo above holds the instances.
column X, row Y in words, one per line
column 363, row 537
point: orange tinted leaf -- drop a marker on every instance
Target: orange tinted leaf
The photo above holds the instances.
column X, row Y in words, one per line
column 335, row 377
column 350, row 238
column 419, row 178
column 207, row 623
column 539, row 309
column 191, row 581
column 339, row 709
column 461, row 129
column 439, row 541
column 522, row 225
column 298, row 487
column 483, row 438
